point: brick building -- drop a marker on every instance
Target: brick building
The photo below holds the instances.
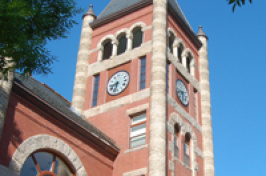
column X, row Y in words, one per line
column 141, row 101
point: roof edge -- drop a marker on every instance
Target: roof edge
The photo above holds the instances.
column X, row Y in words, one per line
column 101, row 21
column 109, row 146
column 187, row 28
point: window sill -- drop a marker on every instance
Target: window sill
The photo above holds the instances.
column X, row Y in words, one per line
column 183, row 164
column 136, row 148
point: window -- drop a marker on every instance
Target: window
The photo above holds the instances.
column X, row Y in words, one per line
column 122, row 45
column 176, row 140
column 171, row 42
column 179, row 53
column 107, row 50
column 142, row 73
column 187, row 149
column 196, row 104
column 45, row 164
column 138, row 131
column 137, row 37
column 167, row 77
column 95, row 90
column 188, row 63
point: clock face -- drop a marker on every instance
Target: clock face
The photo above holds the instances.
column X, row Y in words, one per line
column 118, row 83
column 182, row 92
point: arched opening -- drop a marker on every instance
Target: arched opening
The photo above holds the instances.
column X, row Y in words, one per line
column 188, row 63
column 137, row 37
column 171, row 40
column 122, row 44
column 43, row 163
column 187, row 149
column 179, row 53
column 107, row 49
column 176, row 140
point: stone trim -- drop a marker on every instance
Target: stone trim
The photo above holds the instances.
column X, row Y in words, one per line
column 193, row 81
column 44, row 141
column 115, row 61
column 183, row 113
column 138, row 109
column 185, row 128
column 118, row 103
column 137, row 172
column 136, row 148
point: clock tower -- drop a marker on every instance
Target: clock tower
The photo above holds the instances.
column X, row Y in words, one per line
column 142, row 78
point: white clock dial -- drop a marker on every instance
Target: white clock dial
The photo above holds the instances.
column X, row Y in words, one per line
column 118, row 82
column 182, row 92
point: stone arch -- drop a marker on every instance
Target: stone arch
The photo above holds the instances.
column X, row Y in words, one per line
column 170, row 30
column 100, row 45
column 185, row 128
column 188, row 53
column 120, row 33
column 50, row 143
column 138, row 24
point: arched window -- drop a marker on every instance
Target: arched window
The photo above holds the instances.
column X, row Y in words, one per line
column 171, row 42
column 187, row 149
column 107, row 49
column 45, row 164
column 122, row 44
column 176, row 140
column 179, row 53
column 137, row 37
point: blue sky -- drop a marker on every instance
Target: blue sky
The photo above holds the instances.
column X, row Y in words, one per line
column 237, row 76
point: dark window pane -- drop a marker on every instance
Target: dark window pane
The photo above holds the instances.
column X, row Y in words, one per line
column 171, row 42
column 44, row 160
column 137, row 38
column 180, row 54
column 122, row 46
column 28, row 168
column 188, row 64
column 107, row 51
column 142, row 73
column 167, row 77
column 95, row 90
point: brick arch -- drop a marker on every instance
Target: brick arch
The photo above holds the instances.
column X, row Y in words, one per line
column 46, row 142
column 185, row 128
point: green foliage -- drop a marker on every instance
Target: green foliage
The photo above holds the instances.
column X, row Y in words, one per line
column 26, row 26
column 238, row 3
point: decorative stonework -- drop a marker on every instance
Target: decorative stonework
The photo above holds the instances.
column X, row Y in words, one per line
column 183, row 113
column 185, row 128
column 45, row 142
column 138, row 172
column 117, row 103
column 138, row 109
column 115, row 61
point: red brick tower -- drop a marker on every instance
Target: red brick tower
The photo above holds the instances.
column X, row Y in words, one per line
column 138, row 80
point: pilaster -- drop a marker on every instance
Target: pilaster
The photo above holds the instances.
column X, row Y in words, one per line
column 206, row 106
column 157, row 146
column 83, row 61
